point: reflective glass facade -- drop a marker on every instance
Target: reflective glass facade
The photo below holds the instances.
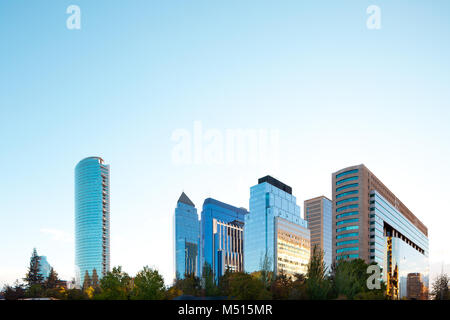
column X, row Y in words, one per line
column 271, row 199
column 409, row 247
column 92, row 224
column 44, row 267
column 187, row 238
column 221, row 228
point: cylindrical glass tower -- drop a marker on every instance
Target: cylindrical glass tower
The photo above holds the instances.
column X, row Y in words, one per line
column 91, row 218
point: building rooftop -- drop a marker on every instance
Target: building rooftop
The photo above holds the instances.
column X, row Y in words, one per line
column 276, row 183
column 185, row 199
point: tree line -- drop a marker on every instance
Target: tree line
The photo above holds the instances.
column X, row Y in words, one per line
column 346, row 280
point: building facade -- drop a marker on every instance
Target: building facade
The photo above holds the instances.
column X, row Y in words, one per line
column 318, row 214
column 222, row 227
column 186, row 238
column 371, row 223
column 44, row 267
column 275, row 235
column 92, row 218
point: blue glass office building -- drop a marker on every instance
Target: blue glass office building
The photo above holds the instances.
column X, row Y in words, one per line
column 222, row 236
column 92, row 218
column 275, row 235
column 187, row 238
column 44, row 267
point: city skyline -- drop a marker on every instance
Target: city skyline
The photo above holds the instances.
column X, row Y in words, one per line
column 336, row 93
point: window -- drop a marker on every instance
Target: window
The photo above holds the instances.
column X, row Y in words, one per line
column 346, row 173
column 346, row 179
column 346, row 200
column 347, row 256
column 347, row 228
column 341, row 243
column 347, row 221
column 346, row 235
column 347, row 249
column 352, row 213
column 347, row 186
column 352, row 206
column 346, row 194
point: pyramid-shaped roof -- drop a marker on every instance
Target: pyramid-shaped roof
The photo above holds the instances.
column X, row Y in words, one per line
column 184, row 199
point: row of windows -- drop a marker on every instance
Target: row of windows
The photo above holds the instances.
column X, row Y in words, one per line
column 347, row 186
column 346, row 179
column 346, row 194
column 352, row 206
column 347, row 228
column 347, row 249
column 346, row 235
column 346, row 200
column 341, row 243
column 351, row 213
column 347, row 221
column 346, row 173
column 347, row 256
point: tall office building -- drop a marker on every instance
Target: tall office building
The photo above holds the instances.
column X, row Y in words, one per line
column 187, row 238
column 318, row 214
column 92, row 225
column 274, row 232
column 44, row 267
column 222, row 227
column 371, row 223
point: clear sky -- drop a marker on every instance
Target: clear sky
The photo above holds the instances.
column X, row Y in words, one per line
column 137, row 72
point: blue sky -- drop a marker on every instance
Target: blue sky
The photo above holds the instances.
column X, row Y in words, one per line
column 137, row 71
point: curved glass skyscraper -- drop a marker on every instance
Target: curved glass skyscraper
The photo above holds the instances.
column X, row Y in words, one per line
column 91, row 218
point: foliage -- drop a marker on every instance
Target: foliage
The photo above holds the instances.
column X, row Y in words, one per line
column 33, row 276
column 243, row 286
column 209, row 286
column 317, row 284
column 52, row 280
column 17, row 291
column 148, row 285
column 349, row 279
column 189, row 285
column 115, row 285
column 440, row 289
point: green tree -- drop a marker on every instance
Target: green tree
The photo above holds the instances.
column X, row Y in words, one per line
column 440, row 288
column 115, row 285
column 243, row 286
column 281, row 287
column 17, row 291
column 148, row 285
column 349, row 279
column 189, row 285
column 34, row 276
column 298, row 290
column 208, row 281
column 94, row 281
column 317, row 284
column 52, row 280
column 87, row 282
column 266, row 273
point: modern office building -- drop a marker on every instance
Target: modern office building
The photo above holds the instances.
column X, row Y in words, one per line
column 318, row 214
column 92, row 218
column 275, row 235
column 222, row 227
column 44, row 267
column 371, row 223
column 187, row 238
column 415, row 286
